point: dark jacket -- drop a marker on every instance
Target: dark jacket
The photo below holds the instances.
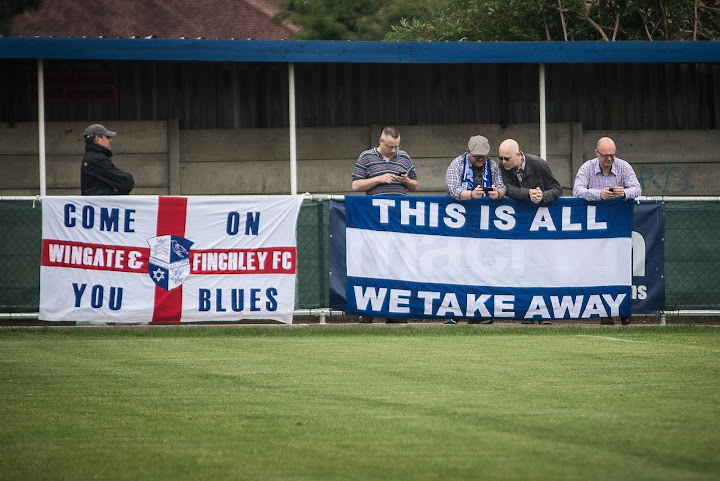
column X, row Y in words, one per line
column 99, row 176
column 537, row 174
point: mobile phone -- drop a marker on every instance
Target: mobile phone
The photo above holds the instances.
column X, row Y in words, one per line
column 487, row 189
column 403, row 173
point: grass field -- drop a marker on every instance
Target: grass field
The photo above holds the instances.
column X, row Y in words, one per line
column 360, row 403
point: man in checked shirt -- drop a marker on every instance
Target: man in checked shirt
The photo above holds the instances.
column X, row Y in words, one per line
column 606, row 176
column 603, row 178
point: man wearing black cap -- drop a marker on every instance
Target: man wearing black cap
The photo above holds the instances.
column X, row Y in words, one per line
column 98, row 175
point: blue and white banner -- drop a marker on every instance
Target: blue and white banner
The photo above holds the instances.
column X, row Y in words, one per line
column 141, row 259
column 432, row 257
column 648, row 242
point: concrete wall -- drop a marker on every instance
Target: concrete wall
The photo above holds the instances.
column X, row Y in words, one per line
column 140, row 148
column 225, row 161
column 667, row 162
column 228, row 161
column 166, row 160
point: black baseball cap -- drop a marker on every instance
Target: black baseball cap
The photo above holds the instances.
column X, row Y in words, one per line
column 97, row 129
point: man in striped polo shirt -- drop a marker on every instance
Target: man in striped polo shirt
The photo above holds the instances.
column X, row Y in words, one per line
column 385, row 169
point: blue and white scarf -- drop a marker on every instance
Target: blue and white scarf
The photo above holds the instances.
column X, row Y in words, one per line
column 468, row 176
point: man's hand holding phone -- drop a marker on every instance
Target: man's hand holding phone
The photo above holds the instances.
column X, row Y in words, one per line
column 607, row 193
column 479, row 191
column 493, row 193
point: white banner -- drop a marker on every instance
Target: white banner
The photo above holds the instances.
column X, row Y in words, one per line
column 423, row 257
column 141, row 259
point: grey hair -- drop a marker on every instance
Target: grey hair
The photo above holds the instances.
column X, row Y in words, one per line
column 390, row 132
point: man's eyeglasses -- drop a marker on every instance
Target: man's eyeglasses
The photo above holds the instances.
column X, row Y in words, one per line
column 503, row 159
column 605, row 156
column 390, row 146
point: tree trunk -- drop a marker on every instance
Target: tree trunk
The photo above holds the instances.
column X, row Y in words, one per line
column 617, row 25
column 643, row 16
column 664, row 20
column 562, row 19
column 597, row 27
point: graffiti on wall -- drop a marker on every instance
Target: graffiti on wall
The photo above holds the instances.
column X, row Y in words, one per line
column 665, row 179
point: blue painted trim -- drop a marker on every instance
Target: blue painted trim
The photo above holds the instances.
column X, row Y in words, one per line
column 205, row 50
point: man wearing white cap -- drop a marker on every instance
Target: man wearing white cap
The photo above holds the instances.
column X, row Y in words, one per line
column 474, row 174
column 98, row 175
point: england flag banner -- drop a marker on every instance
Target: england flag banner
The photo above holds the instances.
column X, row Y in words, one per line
column 141, row 259
column 432, row 257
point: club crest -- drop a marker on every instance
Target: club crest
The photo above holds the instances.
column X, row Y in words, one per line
column 169, row 263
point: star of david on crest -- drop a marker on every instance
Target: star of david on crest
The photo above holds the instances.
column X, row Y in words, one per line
column 169, row 264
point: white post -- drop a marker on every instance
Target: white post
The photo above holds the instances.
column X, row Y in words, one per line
column 41, row 125
column 543, row 126
column 293, row 141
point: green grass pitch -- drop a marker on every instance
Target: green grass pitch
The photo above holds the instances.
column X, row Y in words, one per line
column 360, row 403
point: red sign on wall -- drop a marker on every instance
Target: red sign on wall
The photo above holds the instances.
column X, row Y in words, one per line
column 76, row 87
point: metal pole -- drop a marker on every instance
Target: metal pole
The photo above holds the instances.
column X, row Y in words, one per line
column 543, row 126
column 293, row 141
column 41, row 125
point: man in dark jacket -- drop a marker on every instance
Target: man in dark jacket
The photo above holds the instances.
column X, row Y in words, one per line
column 98, row 175
column 527, row 177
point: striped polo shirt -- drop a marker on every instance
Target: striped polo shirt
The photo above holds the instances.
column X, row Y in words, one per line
column 371, row 164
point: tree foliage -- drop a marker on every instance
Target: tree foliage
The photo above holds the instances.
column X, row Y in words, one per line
column 10, row 8
column 354, row 19
column 490, row 20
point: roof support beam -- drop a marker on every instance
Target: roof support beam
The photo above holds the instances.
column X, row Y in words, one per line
column 543, row 124
column 293, row 130
column 41, row 124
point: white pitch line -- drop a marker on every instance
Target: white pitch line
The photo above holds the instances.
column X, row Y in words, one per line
column 611, row 338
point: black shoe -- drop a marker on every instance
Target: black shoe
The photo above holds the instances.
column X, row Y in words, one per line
column 625, row 320
column 527, row 322
column 450, row 321
column 546, row 323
